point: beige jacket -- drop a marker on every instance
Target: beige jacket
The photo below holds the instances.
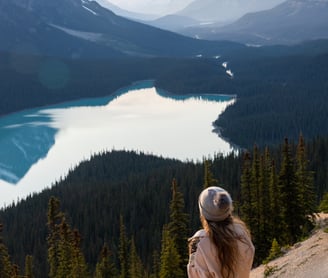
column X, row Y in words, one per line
column 203, row 262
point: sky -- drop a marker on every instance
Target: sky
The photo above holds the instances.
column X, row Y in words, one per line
column 151, row 6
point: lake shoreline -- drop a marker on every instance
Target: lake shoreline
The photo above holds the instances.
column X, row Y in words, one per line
column 161, row 124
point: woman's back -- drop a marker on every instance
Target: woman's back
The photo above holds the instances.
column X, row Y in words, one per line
column 203, row 258
column 223, row 248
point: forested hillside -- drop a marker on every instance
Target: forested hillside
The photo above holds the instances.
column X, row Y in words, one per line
column 126, row 195
column 31, row 81
column 281, row 91
column 278, row 97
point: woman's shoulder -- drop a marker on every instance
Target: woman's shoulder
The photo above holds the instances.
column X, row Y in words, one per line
column 239, row 226
column 198, row 239
column 199, row 234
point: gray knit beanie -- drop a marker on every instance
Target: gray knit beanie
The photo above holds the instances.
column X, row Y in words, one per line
column 215, row 204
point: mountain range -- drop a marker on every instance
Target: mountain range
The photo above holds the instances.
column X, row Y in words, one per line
column 251, row 22
column 290, row 22
column 203, row 12
column 127, row 14
column 85, row 29
column 224, row 10
column 82, row 28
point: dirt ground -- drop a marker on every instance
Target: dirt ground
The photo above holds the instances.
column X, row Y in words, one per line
column 307, row 259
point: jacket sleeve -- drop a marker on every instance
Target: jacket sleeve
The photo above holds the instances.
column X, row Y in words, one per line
column 197, row 267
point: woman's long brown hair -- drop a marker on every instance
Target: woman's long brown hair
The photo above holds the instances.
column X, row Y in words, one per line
column 225, row 238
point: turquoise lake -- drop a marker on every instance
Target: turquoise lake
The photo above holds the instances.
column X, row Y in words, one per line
column 39, row 146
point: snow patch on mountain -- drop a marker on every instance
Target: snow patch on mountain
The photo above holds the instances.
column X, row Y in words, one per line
column 89, row 10
column 90, row 36
column 230, row 73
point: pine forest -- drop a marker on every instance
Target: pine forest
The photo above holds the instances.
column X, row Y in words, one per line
column 128, row 214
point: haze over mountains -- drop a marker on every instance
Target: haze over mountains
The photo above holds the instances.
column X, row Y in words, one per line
column 251, row 22
column 224, row 10
column 197, row 12
column 82, row 51
column 125, row 13
column 290, row 22
column 81, row 28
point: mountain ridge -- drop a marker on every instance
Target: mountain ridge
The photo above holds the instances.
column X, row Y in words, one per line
column 81, row 28
column 224, row 10
column 291, row 22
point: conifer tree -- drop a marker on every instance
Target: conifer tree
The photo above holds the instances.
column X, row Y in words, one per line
column 292, row 215
column 323, row 207
column 275, row 224
column 246, row 210
column 65, row 252
column 5, row 264
column 123, row 250
column 178, row 225
column 79, row 266
column 209, row 179
column 275, row 250
column 264, row 205
column 135, row 265
column 64, row 255
column 156, row 265
column 256, row 202
column 170, row 258
column 29, row 266
column 54, row 218
column 15, row 271
column 305, row 184
column 105, row 267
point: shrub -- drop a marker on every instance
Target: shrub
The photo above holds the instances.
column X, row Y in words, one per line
column 269, row 270
column 324, row 203
column 275, row 251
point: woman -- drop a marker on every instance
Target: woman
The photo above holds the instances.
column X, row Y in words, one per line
column 223, row 248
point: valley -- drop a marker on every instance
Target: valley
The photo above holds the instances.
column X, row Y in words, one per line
column 236, row 95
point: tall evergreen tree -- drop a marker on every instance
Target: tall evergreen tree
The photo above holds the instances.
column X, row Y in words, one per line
column 79, row 266
column 123, row 250
column 246, row 211
column 65, row 254
column 5, row 264
column 276, row 225
column 209, row 179
column 105, row 267
column 256, row 203
column 264, row 205
column 15, row 271
column 29, row 267
column 156, row 265
column 256, row 182
column 178, row 225
column 170, row 258
column 291, row 211
column 305, row 184
column 135, row 269
column 54, row 218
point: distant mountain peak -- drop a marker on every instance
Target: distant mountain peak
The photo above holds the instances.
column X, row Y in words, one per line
column 83, row 28
column 290, row 22
column 224, row 10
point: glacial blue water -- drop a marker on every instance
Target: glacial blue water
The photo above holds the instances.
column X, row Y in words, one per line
column 39, row 146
